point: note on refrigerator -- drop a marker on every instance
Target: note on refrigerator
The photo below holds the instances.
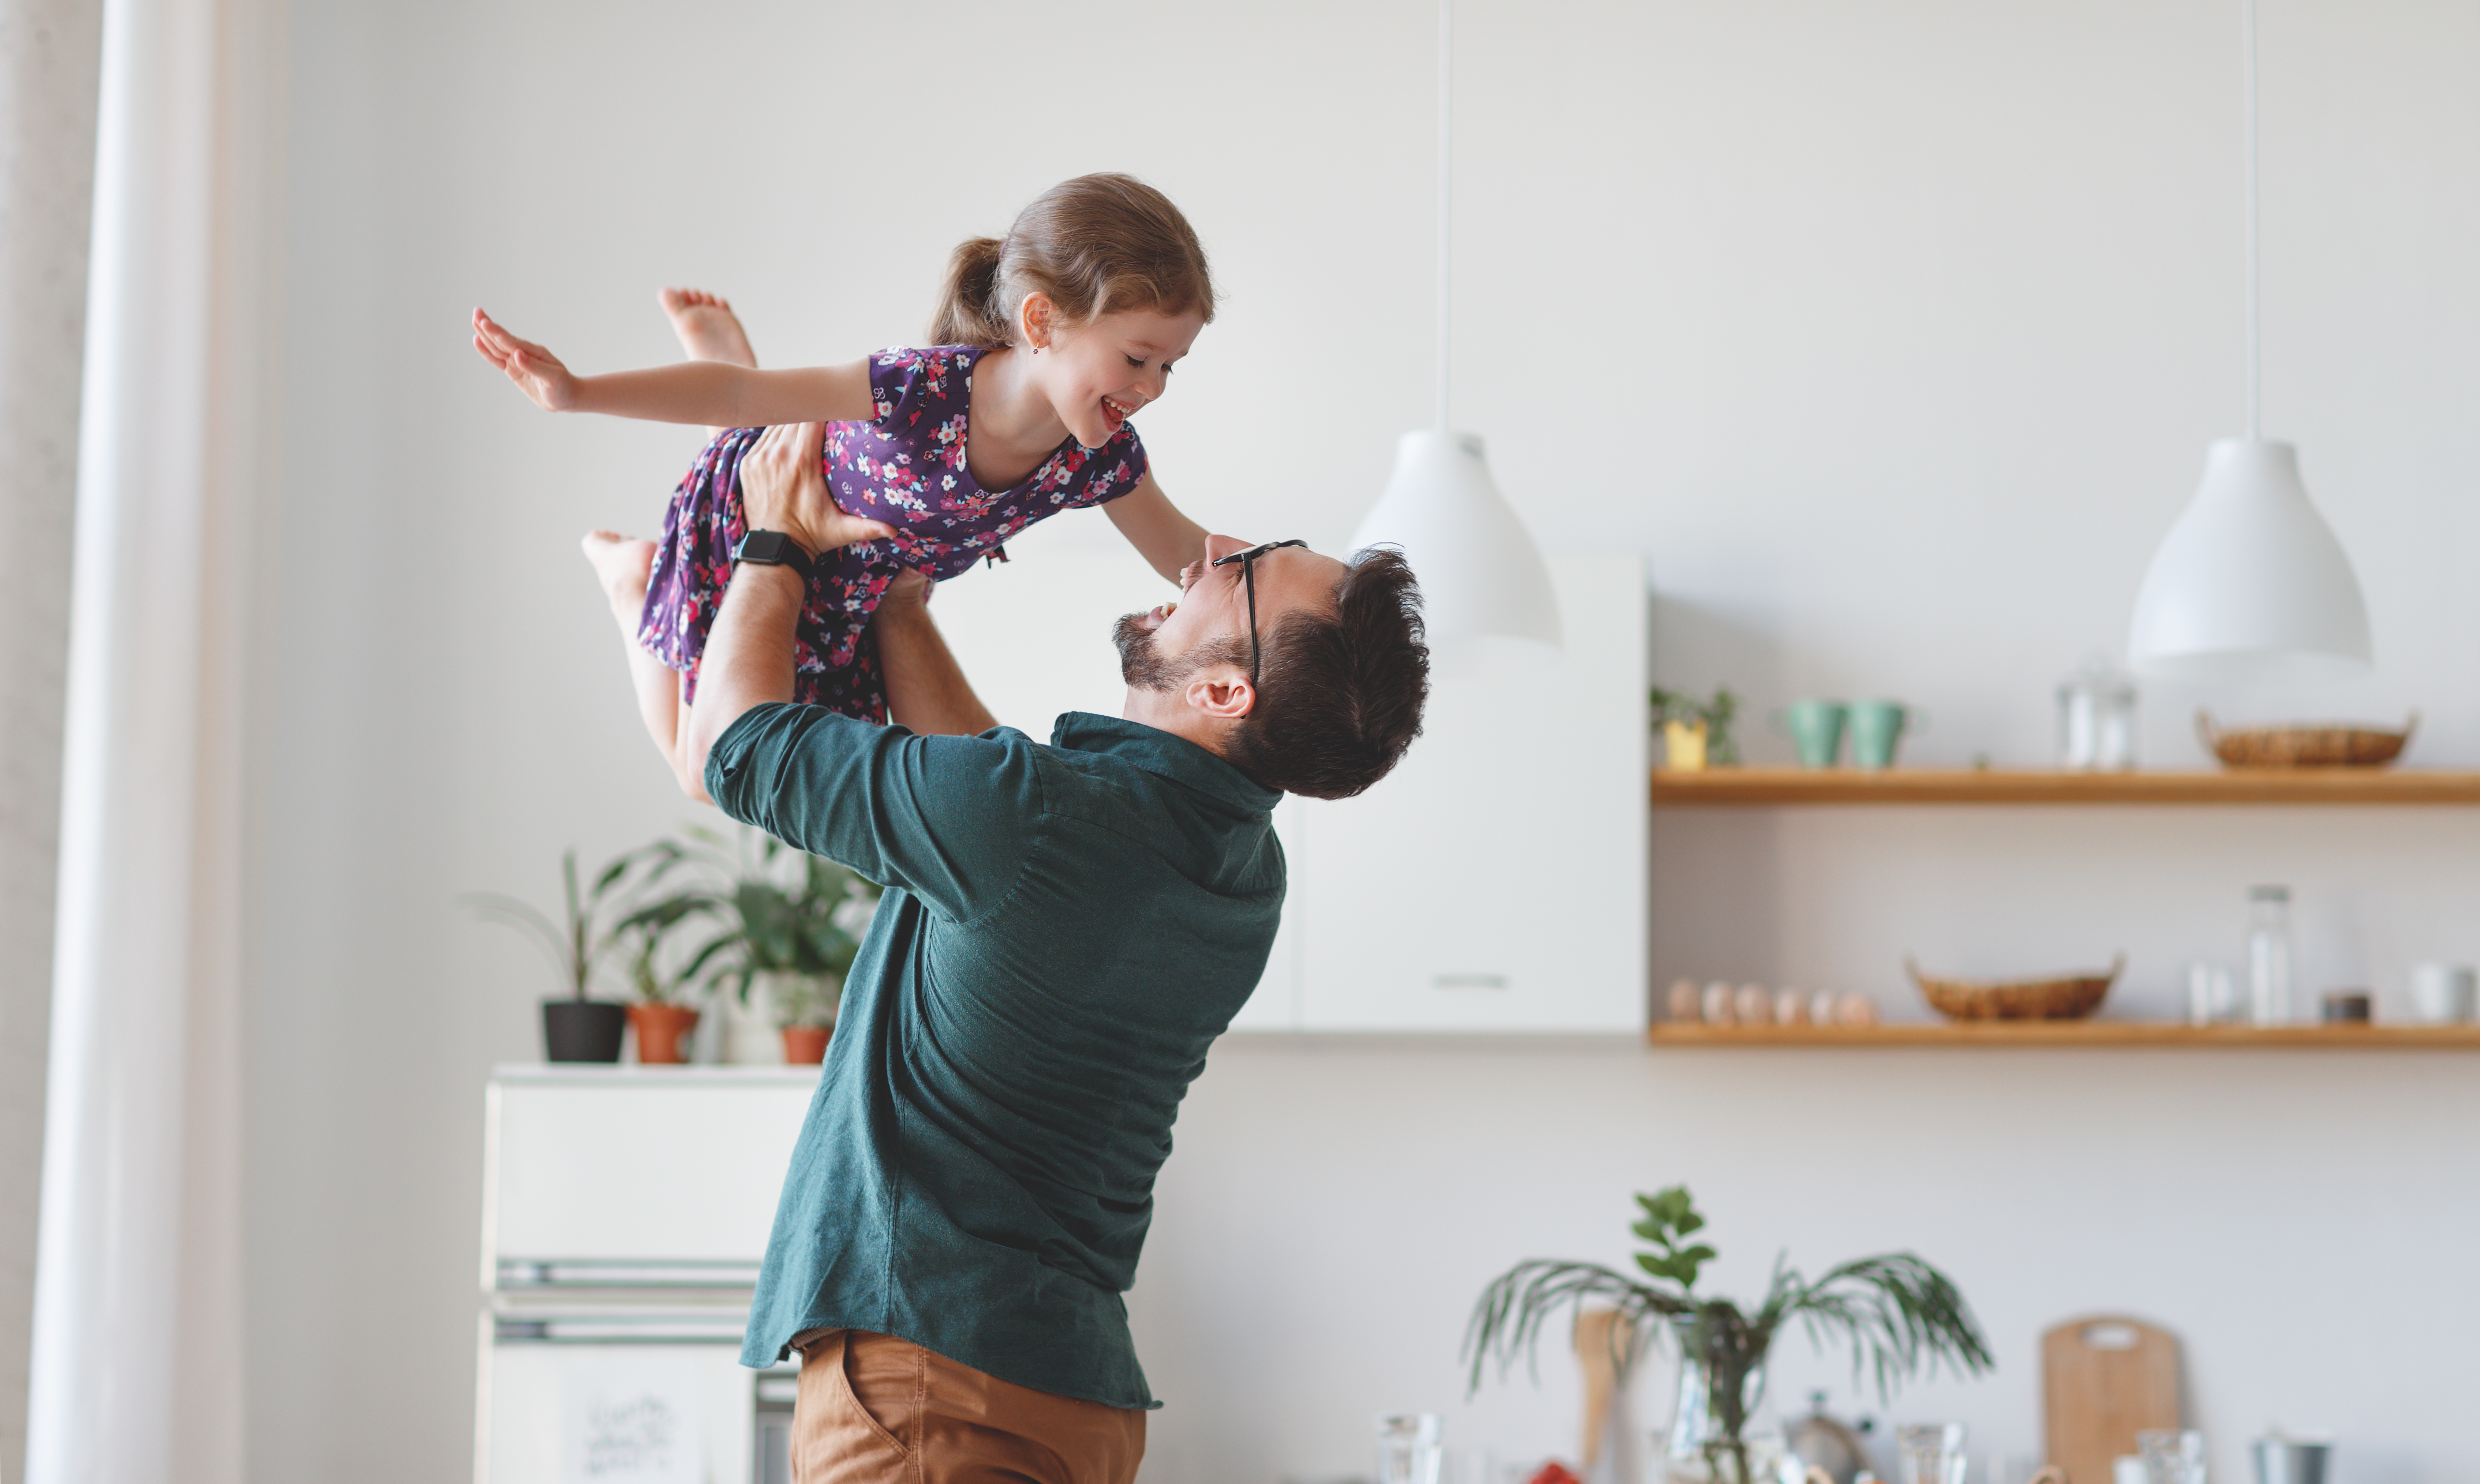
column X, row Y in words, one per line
column 631, row 1419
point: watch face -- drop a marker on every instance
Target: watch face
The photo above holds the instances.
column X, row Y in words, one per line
column 772, row 548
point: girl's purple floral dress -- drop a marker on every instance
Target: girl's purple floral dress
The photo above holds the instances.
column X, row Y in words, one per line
column 905, row 467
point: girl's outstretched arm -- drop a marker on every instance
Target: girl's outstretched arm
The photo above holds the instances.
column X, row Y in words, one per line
column 1165, row 538
column 711, row 393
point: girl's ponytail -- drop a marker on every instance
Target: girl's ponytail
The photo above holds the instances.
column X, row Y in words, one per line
column 1093, row 244
column 968, row 309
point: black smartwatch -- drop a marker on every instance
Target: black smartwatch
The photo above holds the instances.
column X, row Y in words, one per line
column 774, row 549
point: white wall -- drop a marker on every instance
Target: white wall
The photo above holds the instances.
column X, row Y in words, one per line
column 1892, row 335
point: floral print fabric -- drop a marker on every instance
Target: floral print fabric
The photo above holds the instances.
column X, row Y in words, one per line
column 905, row 467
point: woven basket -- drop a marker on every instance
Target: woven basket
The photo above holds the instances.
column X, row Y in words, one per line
column 2068, row 998
column 2305, row 746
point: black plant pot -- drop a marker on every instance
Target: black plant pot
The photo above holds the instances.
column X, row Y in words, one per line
column 584, row 1030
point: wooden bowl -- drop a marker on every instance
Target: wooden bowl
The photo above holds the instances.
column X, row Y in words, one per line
column 2333, row 746
column 2070, row 997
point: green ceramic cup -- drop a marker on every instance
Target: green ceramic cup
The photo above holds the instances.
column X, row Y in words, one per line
column 1876, row 729
column 1816, row 729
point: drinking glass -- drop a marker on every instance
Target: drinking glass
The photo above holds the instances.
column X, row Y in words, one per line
column 1932, row 1452
column 2213, row 993
column 2172, row 1455
column 1407, row 1447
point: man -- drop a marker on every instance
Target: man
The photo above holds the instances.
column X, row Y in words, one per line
column 1065, row 929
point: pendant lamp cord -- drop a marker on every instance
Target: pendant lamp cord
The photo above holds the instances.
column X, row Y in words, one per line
column 2255, row 351
column 1446, row 179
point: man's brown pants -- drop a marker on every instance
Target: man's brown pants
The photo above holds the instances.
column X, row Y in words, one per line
column 875, row 1410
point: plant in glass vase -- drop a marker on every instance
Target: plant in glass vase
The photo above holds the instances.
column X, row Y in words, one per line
column 1899, row 1313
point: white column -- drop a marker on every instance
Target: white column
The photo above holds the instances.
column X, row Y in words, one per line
column 138, row 1352
column 47, row 82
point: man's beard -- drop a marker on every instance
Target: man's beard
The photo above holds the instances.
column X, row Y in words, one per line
column 1141, row 664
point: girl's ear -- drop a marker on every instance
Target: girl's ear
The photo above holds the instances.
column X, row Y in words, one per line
column 1035, row 319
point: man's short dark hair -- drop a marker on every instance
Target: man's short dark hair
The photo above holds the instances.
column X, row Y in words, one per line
column 1339, row 694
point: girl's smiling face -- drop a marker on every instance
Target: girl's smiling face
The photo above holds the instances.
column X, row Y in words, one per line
column 1098, row 375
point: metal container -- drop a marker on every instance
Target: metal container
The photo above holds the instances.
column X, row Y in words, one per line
column 1820, row 1442
column 2290, row 1461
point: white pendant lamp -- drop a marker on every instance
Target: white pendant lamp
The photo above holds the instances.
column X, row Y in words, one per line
column 1486, row 595
column 2250, row 585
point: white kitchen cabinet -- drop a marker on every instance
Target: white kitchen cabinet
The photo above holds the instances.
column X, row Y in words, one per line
column 1495, row 882
column 620, row 1164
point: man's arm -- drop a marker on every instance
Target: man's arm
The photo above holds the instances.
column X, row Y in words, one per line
column 950, row 818
column 926, row 690
column 749, row 650
column 748, row 659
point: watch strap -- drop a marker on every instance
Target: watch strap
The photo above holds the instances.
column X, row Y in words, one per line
column 774, row 549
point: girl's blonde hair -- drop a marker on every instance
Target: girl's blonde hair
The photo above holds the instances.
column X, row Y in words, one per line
column 1093, row 245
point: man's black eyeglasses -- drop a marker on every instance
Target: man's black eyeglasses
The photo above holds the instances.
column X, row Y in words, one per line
column 1248, row 561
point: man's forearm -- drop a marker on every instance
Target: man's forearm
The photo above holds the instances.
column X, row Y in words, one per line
column 926, row 690
column 748, row 659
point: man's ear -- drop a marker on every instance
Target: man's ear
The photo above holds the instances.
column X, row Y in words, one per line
column 1221, row 692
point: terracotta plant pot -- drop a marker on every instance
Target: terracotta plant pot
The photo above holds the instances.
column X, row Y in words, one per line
column 663, row 1031
column 806, row 1045
column 583, row 1030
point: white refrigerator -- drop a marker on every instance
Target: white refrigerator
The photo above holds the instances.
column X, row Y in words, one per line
column 625, row 1211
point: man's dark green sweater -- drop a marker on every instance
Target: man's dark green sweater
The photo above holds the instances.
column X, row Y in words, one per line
column 1065, row 929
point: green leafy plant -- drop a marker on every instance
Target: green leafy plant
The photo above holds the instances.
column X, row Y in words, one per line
column 639, row 941
column 597, row 919
column 781, row 911
column 1718, row 713
column 1899, row 1316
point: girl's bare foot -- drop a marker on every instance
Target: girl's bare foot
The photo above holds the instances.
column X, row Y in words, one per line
column 708, row 328
column 622, row 564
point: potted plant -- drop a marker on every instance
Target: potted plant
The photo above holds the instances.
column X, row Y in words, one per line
column 791, row 924
column 806, row 1014
column 1899, row 1313
column 578, row 1028
column 660, row 1013
column 1697, row 732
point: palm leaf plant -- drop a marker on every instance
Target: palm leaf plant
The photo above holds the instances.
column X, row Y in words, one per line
column 1899, row 1315
column 593, row 920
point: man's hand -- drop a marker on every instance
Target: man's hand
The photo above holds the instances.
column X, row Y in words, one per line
column 783, row 488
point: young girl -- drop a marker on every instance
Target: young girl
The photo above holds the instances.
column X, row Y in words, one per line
column 1045, row 345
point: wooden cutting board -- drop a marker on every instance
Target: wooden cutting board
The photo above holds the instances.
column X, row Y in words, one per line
column 2104, row 1377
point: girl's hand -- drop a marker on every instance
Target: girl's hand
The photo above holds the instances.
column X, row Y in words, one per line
column 783, row 487
column 536, row 371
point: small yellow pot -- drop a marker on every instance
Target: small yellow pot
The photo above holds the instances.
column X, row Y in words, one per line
column 1685, row 742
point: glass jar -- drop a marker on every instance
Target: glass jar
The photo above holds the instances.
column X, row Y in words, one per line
column 2096, row 720
column 1701, row 1448
column 2269, row 955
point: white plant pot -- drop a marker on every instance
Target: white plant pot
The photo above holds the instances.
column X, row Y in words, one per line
column 749, row 1035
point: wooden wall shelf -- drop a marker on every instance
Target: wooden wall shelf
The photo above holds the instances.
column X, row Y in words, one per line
column 2079, row 1034
column 1773, row 788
